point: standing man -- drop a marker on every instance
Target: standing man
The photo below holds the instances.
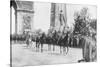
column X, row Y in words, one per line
column 89, row 50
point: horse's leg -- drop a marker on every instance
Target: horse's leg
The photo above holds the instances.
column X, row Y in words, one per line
column 32, row 44
column 41, row 47
column 67, row 48
column 36, row 46
column 49, row 47
column 27, row 43
column 53, row 47
column 60, row 50
column 64, row 49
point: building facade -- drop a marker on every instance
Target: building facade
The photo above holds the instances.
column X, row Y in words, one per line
column 58, row 16
column 23, row 16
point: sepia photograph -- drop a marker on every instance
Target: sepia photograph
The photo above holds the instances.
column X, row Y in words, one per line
column 47, row 33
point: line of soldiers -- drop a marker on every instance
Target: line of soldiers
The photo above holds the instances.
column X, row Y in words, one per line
column 87, row 44
column 54, row 40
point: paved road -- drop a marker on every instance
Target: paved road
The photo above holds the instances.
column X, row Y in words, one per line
column 22, row 56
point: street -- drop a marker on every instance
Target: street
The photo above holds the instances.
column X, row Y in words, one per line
column 23, row 56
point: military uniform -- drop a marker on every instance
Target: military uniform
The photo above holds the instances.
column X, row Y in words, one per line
column 89, row 49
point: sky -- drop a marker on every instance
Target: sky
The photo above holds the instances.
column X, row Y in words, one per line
column 42, row 14
column 72, row 8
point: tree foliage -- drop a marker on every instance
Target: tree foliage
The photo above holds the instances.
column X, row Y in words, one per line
column 81, row 22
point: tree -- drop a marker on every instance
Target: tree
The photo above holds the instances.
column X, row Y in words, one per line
column 93, row 24
column 81, row 22
column 86, row 27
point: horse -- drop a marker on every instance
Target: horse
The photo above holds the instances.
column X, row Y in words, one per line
column 63, row 43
